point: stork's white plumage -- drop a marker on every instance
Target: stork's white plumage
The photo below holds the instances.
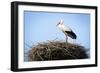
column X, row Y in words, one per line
column 66, row 30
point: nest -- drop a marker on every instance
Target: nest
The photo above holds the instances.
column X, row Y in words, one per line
column 57, row 50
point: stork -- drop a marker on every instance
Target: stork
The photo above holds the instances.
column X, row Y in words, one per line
column 66, row 30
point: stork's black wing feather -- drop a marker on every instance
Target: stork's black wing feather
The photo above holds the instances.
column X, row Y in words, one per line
column 71, row 34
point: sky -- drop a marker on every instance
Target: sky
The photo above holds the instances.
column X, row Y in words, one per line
column 41, row 27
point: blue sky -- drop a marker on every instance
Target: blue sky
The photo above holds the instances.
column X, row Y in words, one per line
column 41, row 26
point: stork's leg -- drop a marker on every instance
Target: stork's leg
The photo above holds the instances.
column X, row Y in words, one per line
column 66, row 39
column 74, row 41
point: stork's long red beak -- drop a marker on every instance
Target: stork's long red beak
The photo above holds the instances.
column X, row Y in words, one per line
column 58, row 24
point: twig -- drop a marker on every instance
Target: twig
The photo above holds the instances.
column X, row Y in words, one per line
column 39, row 56
column 66, row 50
column 28, row 45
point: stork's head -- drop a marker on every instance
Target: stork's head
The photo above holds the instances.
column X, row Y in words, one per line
column 60, row 22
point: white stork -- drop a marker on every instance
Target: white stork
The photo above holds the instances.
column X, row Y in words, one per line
column 66, row 30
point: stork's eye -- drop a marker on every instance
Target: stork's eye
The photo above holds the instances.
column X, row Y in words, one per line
column 59, row 23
